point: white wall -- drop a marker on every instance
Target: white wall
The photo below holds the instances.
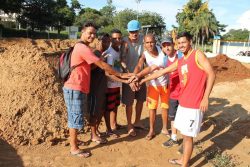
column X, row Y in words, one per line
column 231, row 49
column 243, row 59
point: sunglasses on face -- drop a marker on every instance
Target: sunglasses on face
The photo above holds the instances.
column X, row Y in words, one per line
column 133, row 32
column 166, row 44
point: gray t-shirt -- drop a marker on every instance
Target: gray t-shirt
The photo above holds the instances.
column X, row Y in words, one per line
column 135, row 50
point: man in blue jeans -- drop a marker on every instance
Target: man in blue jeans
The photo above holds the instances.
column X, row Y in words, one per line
column 77, row 86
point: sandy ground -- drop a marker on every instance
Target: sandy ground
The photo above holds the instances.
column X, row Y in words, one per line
column 226, row 126
column 33, row 131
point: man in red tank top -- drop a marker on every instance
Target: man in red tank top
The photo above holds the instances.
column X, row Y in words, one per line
column 196, row 81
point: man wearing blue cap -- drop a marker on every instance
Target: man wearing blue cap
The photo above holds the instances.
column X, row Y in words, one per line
column 134, row 49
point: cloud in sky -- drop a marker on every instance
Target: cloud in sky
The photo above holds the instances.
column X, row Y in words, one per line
column 244, row 20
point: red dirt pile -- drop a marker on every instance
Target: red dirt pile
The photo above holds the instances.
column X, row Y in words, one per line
column 31, row 103
column 228, row 69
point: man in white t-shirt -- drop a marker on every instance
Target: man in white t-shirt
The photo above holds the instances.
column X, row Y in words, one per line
column 114, row 83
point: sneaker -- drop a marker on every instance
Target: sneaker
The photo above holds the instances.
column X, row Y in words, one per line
column 170, row 143
column 180, row 150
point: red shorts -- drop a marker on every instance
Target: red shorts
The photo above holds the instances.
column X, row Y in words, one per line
column 113, row 98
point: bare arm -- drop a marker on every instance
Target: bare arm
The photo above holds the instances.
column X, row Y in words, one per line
column 124, row 51
column 146, row 71
column 107, row 68
column 161, row 72
column 204, row 63
column 115, row 78
column 100, row 55
column 139, row 65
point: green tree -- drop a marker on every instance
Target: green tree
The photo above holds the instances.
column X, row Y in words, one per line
column 75, row 5
column 108, row 12
column 122, row 18
column 151, row 18
column 10, row 6
column 107, row 18
column 187, row 15
column 204, row 24
column 89, row 10
column 37, row 13
column 63, row 15
column 89, row 14
column 237, row 35
column 197, row 19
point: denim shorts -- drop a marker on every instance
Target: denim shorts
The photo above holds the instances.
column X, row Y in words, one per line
column 77, row 105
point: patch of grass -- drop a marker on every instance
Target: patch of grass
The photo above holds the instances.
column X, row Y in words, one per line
column 12, row 32
column 215, row 157
column 223, row 160
column 219, row 159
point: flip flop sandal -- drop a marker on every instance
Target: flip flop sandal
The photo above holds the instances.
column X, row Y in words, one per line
column 100, row 141
column 101, row 134
column 113, row 134
column 165, row 133
column 132, row 133
column 81, row 153
column 174, row 162
column 82, row 143
column 150, row 137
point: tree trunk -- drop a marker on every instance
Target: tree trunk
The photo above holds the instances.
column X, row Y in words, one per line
column 202, row 42
column 196, row 41
column 1, row 32
column 58, row 31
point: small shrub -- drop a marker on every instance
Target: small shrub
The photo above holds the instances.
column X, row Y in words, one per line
column 223, row 160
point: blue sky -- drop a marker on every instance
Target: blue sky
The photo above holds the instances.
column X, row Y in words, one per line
column 235, row 14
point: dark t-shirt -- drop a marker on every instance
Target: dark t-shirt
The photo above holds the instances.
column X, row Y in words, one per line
column 98, row 88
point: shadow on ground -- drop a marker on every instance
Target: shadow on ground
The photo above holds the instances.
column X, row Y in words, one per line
column 9, row 156
column 230, row 126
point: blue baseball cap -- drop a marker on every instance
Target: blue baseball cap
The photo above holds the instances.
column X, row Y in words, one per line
column 134, row 25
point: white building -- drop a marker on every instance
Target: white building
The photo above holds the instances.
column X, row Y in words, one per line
column 231, row 49
column 8, row 17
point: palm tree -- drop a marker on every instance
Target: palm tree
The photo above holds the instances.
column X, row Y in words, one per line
column 197, row 19
column 195, row 29
column 208, row 26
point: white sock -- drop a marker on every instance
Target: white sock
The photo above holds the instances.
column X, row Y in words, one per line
column 174, row 137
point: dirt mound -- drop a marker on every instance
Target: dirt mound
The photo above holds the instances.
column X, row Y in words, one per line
column 228, row 69
column 31, row 103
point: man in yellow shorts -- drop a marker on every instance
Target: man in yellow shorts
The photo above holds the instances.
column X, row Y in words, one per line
column 153, row 56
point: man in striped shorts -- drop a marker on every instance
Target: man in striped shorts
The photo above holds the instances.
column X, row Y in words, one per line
column 114, row 83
